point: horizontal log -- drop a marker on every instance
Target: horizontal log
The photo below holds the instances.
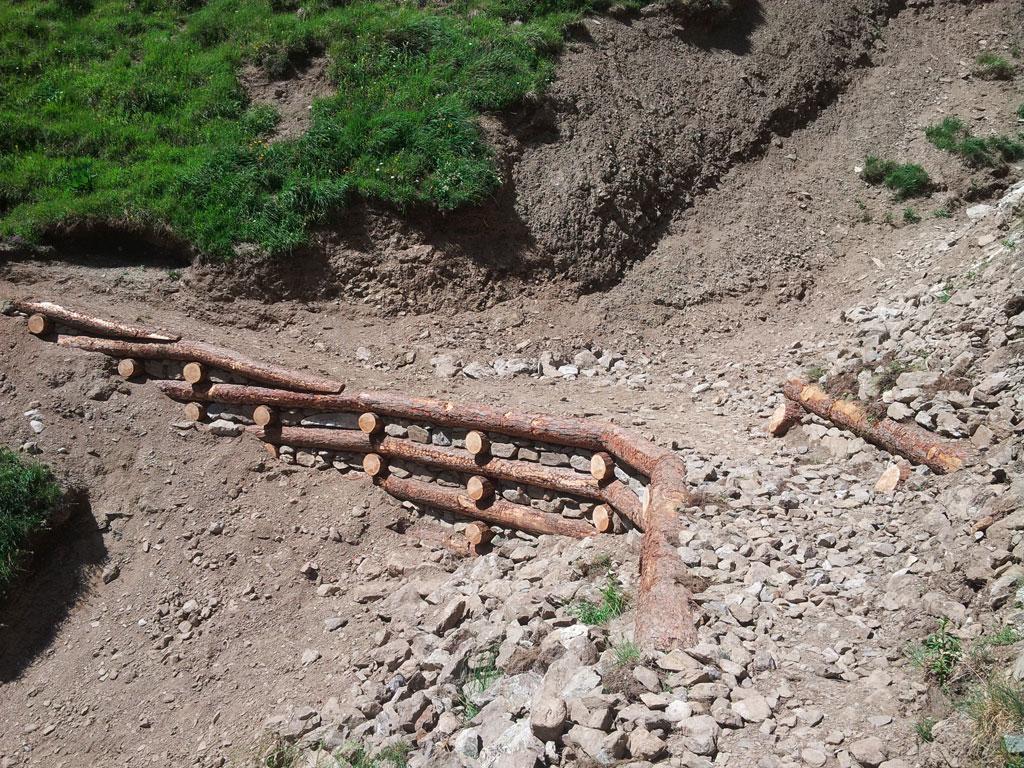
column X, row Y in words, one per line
column 632, row 449
column 246, row 394
column 908, row 440
column 499, row 512
column 621, row 496
column 39, row 325
column 480, row 489
column 215, row 357
column 96, row 325
column 128, row 368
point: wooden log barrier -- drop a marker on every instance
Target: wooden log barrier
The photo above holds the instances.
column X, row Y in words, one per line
column 477, row 443
column 264, row 416
column 375, row 465
column 908, row 440
column 604, row 518
column 371, row 423
column 55, row 312
column 480, row 489
column 195, row 411
column 602, row 466
column 128, row 368
column 478, row 537
column 39, row 325
column 213, row 356
column 195, row 373
column 246, row 394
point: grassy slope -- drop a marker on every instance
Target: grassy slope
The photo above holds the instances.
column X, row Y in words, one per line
column 27, row 493
column 132, row 110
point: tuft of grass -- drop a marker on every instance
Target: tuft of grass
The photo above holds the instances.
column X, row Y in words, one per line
column 996, row 707
column 28, row 493
column 938, row 654
column 815, row 372
column 953, row 135
column 627, row 653
column 942, row 213
column 612, row 605
column 1008, row 635
column 134, row 111
column 1020, row 112
column 993, row 66
column 905, row 180
column 910, row 216
column 477, row 681
column 923, row 729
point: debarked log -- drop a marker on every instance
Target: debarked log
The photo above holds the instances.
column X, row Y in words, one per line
column 97, row 325
column 499, row 512
column 908, row 440
column 213, row 356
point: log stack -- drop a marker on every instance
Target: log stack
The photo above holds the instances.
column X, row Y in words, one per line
column 478, row 476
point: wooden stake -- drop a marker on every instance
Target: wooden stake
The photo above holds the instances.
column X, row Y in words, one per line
column 477, row 443
column 371, row 423
column 39, row 325
column 264, row 416
column 128, row 367
column 480, row 489
column 195, row 412
column 195, row 373
column 602, row 466
column 374, row 465
column 604, row 518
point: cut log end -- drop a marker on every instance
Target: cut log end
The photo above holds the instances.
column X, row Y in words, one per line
column 371, row 423
column 264, row 415
column 604, row 518
column 271, row 449
column 477, row 443
column 39, row 325
column 602, row 466
column 128, row 368
column 195, row 411
column 478, row 534
column 375, row 465
column 785, row 417
column 480, row 489
column 194, row 373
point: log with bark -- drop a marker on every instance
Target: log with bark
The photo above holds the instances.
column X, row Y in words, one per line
column 213, row 356
column 73, row 319
column 785, row 417
column 908, row 440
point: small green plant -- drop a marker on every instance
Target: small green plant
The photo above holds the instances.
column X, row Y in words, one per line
column 1020, row 112
column 923, row 728
column 942, row 213
column 28, row 492
column 1008, row 635
column 938, row 654
column 953, row 135
column 992, row 66
column 174, row 274
column 814, row 372
column 906, row 180
column 612, row 605
column 996, row 706
column 910, row 216
column 477, row 681
column 626, row 653
column 1008, row 243
column 945, row 295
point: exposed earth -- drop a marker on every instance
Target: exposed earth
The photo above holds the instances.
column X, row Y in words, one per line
column 703, row 194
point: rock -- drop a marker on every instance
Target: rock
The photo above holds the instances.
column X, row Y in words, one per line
column 225, row 428
column 603, row 748
column 467, row 743
column 309, row 656
column 335, row 622
column 813, row 757
column 444, row 366
column 449, row 617
column 888, row 480
column 548, row 717
column 869, row 752
column 110, row 573
column 753, row 708
column 645, row 745
column 701, row 734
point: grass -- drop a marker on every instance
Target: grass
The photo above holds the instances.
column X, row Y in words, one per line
column 923, row 729
column 953, row 135
column 942, row 213
column 992, row 66
column 132, row 110
column 1020, row 112
column 28, row 492
column 612, row 605
column 815, row 373
column 477, row 681
column 910, row 216
column 996, row 707
column 938, row 654
column 905, row 180
column 282, row 754
column 627, row 653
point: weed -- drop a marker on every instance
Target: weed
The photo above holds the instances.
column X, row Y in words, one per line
column 612, row 605
column 923, row 728
column 944, row 295
column 28, row 492
column 996, row 705
column 992, row 66
column 906, row 180
column 938, row 654
column 910, row 216
column 815, row 372
column 953, row 135
column 627, row 653
column 1008, row 243
column 1008, row 635
column 942, row 213
column 601, row 563
column 174, row 274
column 477, row 681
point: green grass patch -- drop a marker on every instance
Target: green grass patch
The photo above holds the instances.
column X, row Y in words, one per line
column 938, row 654
column 910, row 216
column 996, row 707
column 1020, row 112
column 923, row 729
column 993, row 66
column 953, row 135
column 28, row 492
column 132, row 110
column 627, row 652
column 942, row 213
column 906, row 179
column 477, row 681
column 612, row 605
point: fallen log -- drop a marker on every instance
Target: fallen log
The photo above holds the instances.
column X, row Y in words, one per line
column 215, row 357
column 86, row 323
column 480, row 489
column 39, row 325
column 602, row 466
column 604, row 518
column 785, row 417
column 499, row 512
column 632, row 449
column 907, row 440
column 246, row 394
column 620, row 496
column 664, row 603
column 128, row 368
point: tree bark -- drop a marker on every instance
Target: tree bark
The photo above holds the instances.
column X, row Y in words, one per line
column 96, row 325
column 910, row 441
column 245, row 394
column 785, row 417
column 215, row 357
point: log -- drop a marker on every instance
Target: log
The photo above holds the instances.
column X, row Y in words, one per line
column 908, row 440
column 501, row 513
column 246, row 394
column 96, row 325
column 477, row 533
column 374, row 465
column 195, row 373
column 195, row 411
column 480, row 489
column 604, row 518
column 633, row 449
column 39, row 325
column 129, row 368
column 477, row 443
column 264, row 416
column 621, row 497
column 214, row 357
column 602, row 466
column 664, row 604
column 371, row 423
column 785, row 417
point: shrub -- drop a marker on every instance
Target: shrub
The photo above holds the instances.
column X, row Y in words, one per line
column 906, row 180
column 992, row 66
column 28, row 492
column 953, row 135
